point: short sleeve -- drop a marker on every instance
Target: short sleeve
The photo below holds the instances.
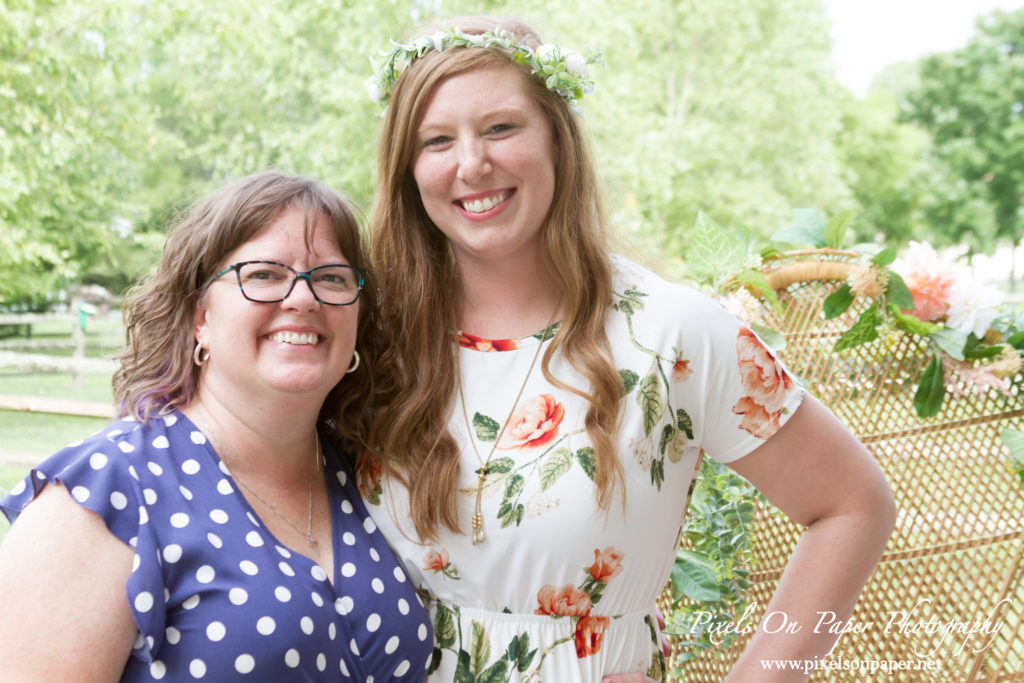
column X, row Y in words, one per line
column 100, row 475
column 748, row 392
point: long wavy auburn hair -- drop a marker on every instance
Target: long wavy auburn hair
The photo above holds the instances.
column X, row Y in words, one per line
column 156, row 372
column 419, row 281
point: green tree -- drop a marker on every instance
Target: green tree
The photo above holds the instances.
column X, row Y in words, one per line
column 971, row 101
column 728, row 108
column 882, row 165
column 67, row 131
column 116, row 114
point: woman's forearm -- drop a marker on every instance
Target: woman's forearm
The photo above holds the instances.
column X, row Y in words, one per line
column 816, row 595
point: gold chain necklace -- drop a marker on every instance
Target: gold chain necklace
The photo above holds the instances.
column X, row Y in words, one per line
column 478, row 518
column 308, row 533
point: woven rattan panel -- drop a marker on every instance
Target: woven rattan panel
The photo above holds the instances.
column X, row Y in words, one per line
column 956, row 557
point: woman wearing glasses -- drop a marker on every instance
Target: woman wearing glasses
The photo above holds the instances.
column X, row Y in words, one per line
column 215, row 532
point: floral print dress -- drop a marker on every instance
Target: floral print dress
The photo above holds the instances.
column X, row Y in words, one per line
column 560, row 590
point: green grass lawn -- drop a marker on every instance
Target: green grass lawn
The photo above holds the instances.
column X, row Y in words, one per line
column 31, row 437
column 93, row 387
column 26, row 434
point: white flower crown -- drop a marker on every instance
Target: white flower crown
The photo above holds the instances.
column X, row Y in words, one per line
column 564, row 72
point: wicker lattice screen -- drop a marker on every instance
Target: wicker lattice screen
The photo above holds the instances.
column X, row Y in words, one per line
column 957, row 554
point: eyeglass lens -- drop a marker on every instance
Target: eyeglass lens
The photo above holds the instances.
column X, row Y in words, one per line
column 268, row 282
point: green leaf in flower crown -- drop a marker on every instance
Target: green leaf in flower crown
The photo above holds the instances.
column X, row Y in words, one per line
column 1016, row 340
column 838, row 301
column 862, row 331
column 911, row 323
column 930, row 390
column 884, row 257
column 950, row 341
column 693, row 575
column 757, row 280
column 835, row 231
column 898, row 293
column 808, row 228
column 713, row 252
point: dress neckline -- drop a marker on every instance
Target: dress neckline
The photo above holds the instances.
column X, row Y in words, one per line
column 473, row 342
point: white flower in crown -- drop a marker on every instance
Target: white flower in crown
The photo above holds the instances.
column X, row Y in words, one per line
column 563, row 72
column 373, row 89
column 547, row 52
column 576, row 65
column 422, row 44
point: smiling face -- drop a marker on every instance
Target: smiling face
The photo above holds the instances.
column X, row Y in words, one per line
column 484, row 163
column 294, row 346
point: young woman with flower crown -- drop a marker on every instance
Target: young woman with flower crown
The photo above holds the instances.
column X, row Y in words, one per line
column 547, row 405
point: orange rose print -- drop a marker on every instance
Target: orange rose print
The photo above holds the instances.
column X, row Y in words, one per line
column 766, row 384
column 756, row 420
column 436, row 560
column 567, row 601
column 607, row 564
column 439, row 562
column 533, row 424
column 763, row 378
column 471, row 341
column 589, row 634
column 681, row 370
column 368, row 479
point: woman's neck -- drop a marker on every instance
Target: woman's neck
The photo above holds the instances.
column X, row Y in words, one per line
column 505, row 300
column 258, row 438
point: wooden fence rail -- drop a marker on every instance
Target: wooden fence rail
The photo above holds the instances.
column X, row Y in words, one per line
column 58, row 406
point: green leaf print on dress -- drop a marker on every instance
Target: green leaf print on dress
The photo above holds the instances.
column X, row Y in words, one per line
column 573, row 603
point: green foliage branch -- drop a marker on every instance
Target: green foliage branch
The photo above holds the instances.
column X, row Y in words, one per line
column 710, row 577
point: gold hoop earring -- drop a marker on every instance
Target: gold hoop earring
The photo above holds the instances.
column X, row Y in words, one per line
column 352, row 368
column 197, row 355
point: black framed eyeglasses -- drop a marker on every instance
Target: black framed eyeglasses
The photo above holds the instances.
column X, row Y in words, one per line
column 267, row 282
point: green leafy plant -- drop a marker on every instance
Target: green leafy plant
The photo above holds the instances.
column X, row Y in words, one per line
column 709, row 579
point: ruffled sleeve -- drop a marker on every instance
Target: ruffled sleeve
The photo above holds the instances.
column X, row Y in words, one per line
column 100, row 474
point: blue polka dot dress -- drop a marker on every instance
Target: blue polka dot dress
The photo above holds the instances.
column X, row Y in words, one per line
column 215, row 595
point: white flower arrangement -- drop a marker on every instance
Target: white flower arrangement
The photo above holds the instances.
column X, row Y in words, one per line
column 563, row 71
column 945, row 294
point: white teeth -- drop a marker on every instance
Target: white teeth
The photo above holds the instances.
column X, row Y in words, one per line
column 486, row 204
column 298, row 338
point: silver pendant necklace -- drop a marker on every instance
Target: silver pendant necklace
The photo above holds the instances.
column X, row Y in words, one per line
column 308, row 533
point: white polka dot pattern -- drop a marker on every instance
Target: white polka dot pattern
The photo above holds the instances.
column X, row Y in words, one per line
column 217, row 597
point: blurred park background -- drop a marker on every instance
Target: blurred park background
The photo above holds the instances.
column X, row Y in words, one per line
column 115, row 115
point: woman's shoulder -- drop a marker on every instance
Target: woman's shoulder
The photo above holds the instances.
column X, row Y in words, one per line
column 128, row 442
column 642, row 285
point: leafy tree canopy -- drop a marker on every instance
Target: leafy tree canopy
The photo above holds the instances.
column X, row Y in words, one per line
column 972, row 102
